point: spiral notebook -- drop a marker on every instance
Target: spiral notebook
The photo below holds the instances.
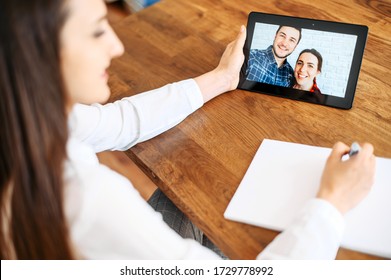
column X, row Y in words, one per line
column 282, row 176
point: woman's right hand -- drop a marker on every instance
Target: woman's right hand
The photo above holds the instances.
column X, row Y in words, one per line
column 346, row 183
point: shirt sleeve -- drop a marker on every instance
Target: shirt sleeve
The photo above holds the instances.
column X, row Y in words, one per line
column 316, row 233
column 124, row 123
column 108, row 219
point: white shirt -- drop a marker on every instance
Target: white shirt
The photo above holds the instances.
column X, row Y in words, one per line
column 107, row 217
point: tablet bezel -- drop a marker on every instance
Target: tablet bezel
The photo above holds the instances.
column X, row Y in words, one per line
column 346, row 102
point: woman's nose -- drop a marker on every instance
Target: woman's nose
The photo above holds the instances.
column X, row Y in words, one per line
column 116, row 48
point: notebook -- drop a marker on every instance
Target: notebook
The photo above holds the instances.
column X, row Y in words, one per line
column 283, row 176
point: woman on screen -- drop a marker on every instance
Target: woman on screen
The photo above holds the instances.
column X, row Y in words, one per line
column 58, row 202
column 308, row 66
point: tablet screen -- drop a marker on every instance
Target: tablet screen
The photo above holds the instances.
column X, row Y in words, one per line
column 303, row 59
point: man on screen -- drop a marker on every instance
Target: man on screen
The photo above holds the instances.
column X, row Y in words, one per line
column 270, row 66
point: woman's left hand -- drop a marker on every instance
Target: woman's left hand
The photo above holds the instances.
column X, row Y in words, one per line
column 232, row 59
column 225, row 76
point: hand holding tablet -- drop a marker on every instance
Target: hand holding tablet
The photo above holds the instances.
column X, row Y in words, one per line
column 303, row 59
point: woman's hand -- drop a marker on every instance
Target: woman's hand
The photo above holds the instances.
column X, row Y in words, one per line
column 232, row 60
column 225, row 76
column 346, row 183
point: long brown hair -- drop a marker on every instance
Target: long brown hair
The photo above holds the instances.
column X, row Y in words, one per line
column 34, row 132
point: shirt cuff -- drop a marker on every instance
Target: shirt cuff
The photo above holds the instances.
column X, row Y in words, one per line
column 328, row 211
column 193, row 93
column 315, row 233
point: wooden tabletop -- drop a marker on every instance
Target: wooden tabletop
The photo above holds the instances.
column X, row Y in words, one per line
column 200, row 163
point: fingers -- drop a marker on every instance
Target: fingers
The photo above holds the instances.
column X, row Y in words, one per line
column 241, row 38
column 238, row 44
column 242, row 34
column 367, row 150
column 339, row 150
column 369, row 159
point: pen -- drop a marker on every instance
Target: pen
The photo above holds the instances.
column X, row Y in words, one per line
column 354, row 149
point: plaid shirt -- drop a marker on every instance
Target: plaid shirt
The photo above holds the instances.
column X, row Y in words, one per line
column 263, row 68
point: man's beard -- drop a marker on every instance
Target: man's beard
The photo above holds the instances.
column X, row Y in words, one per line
column 281, row 57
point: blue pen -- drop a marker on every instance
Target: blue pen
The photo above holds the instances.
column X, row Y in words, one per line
column 354, row 149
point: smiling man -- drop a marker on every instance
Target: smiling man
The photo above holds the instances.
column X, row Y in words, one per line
column 270, row 66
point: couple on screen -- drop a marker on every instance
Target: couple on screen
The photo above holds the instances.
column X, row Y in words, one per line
column 271, row 66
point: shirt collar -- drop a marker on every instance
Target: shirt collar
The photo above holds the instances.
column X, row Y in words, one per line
column 270, row 56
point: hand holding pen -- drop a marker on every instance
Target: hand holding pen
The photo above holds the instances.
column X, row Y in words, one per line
column 354, row 149
column 346, row 183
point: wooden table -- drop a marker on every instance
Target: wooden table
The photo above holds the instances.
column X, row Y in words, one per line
column 200, row 163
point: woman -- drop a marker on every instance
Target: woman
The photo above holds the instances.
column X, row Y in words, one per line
column 308, row 66
column 57, row 201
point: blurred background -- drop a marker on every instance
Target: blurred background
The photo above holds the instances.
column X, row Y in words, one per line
column 131, row 6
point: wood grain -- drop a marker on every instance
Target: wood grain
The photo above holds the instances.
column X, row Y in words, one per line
column 200, row 162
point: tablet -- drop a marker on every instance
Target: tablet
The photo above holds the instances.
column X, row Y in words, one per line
column 303, row 59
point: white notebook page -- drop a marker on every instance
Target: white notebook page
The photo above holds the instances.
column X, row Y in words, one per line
column 283, row 176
